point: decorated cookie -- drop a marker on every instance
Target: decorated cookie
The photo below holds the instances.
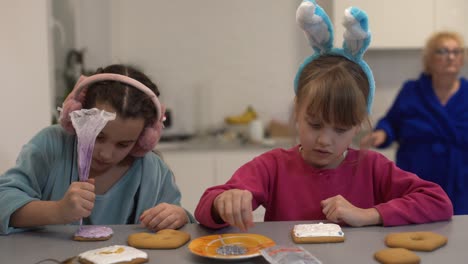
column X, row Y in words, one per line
column 396, row 256
column 163, row 239
column 93, row 233
column 317, row 233
column 112, row 255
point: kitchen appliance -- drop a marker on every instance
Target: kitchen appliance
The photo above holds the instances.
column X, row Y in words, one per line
column 176, row 127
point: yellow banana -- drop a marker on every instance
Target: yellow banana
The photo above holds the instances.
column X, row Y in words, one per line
column 242, row 119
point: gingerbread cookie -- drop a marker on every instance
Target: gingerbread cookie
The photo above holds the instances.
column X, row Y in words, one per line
column 396, row 256
column 163, row 239
column 113, row 254
column 93, row 233
column 317, row 233
column 419, row 241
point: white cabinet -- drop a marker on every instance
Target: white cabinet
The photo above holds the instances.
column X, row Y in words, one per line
column 195, row 171
column 227, row 162
column 451, row 15
column 393, row 24
column 402, row 24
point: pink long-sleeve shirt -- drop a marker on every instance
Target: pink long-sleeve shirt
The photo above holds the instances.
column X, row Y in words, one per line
column 290, row 189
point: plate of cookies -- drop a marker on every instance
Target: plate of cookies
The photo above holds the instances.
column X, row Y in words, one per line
column 230, row 246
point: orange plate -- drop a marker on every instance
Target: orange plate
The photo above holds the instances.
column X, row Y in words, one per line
column 206, row 246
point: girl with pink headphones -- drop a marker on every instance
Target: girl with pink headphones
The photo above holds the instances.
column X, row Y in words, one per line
column 128, row 183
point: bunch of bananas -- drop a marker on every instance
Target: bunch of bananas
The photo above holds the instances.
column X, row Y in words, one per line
column 242, row 119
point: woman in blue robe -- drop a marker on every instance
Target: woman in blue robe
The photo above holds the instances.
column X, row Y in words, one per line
column 429, row 120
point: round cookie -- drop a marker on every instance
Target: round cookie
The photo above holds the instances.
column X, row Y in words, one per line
column 113, row 255
column 396, row 256
column 93, row 233
column 163, row 239
column 419, row 241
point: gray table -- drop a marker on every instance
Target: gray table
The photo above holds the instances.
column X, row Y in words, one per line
column 359, row 247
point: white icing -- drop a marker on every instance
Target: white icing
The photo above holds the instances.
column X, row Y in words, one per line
column 318, row 230
column 113, row 254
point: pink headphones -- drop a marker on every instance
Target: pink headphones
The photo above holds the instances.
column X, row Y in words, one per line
column 74, row 101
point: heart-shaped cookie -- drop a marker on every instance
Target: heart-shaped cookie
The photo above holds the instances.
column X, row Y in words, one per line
column 163, row 239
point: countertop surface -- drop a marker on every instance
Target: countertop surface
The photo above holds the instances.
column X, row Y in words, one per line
column 222, row 144
column 212, row 143
column 54, row 242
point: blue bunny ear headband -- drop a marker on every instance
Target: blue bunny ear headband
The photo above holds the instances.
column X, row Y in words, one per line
column 319, row 32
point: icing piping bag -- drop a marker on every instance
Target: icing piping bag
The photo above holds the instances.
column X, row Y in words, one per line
column 88, row 123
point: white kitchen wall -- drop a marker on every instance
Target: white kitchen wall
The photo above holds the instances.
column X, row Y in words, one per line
column 214, row 62
column 25, row 74
column 211, row 58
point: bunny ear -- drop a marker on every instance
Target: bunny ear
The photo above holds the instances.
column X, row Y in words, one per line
column 316, row 25
column 357, row 36
column 319, row 31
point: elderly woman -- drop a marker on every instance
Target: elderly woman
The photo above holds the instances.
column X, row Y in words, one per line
column 429, row 120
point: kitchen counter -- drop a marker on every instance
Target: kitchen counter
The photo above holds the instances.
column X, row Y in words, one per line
column 54, row 242
column 221, row 144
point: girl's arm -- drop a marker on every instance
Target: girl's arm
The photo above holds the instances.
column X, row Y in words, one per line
column 339, row 210
column 35, row 177
column 77, row 203
column 37, row 213
column 251, row 177
column 404, row 198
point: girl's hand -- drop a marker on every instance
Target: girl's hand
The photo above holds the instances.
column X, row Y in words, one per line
column 164, row 216
column 78, row 201
column 235, row 208
column 337, row 209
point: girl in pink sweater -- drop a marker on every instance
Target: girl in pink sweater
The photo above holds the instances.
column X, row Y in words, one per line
column 322, row 178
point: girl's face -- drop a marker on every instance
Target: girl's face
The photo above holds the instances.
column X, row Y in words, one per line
column 115, row 141
column 323, row 144
column 448, row 58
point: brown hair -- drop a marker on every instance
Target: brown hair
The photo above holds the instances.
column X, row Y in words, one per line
column 433, row 42
column 335, row 90
column 128, row 101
